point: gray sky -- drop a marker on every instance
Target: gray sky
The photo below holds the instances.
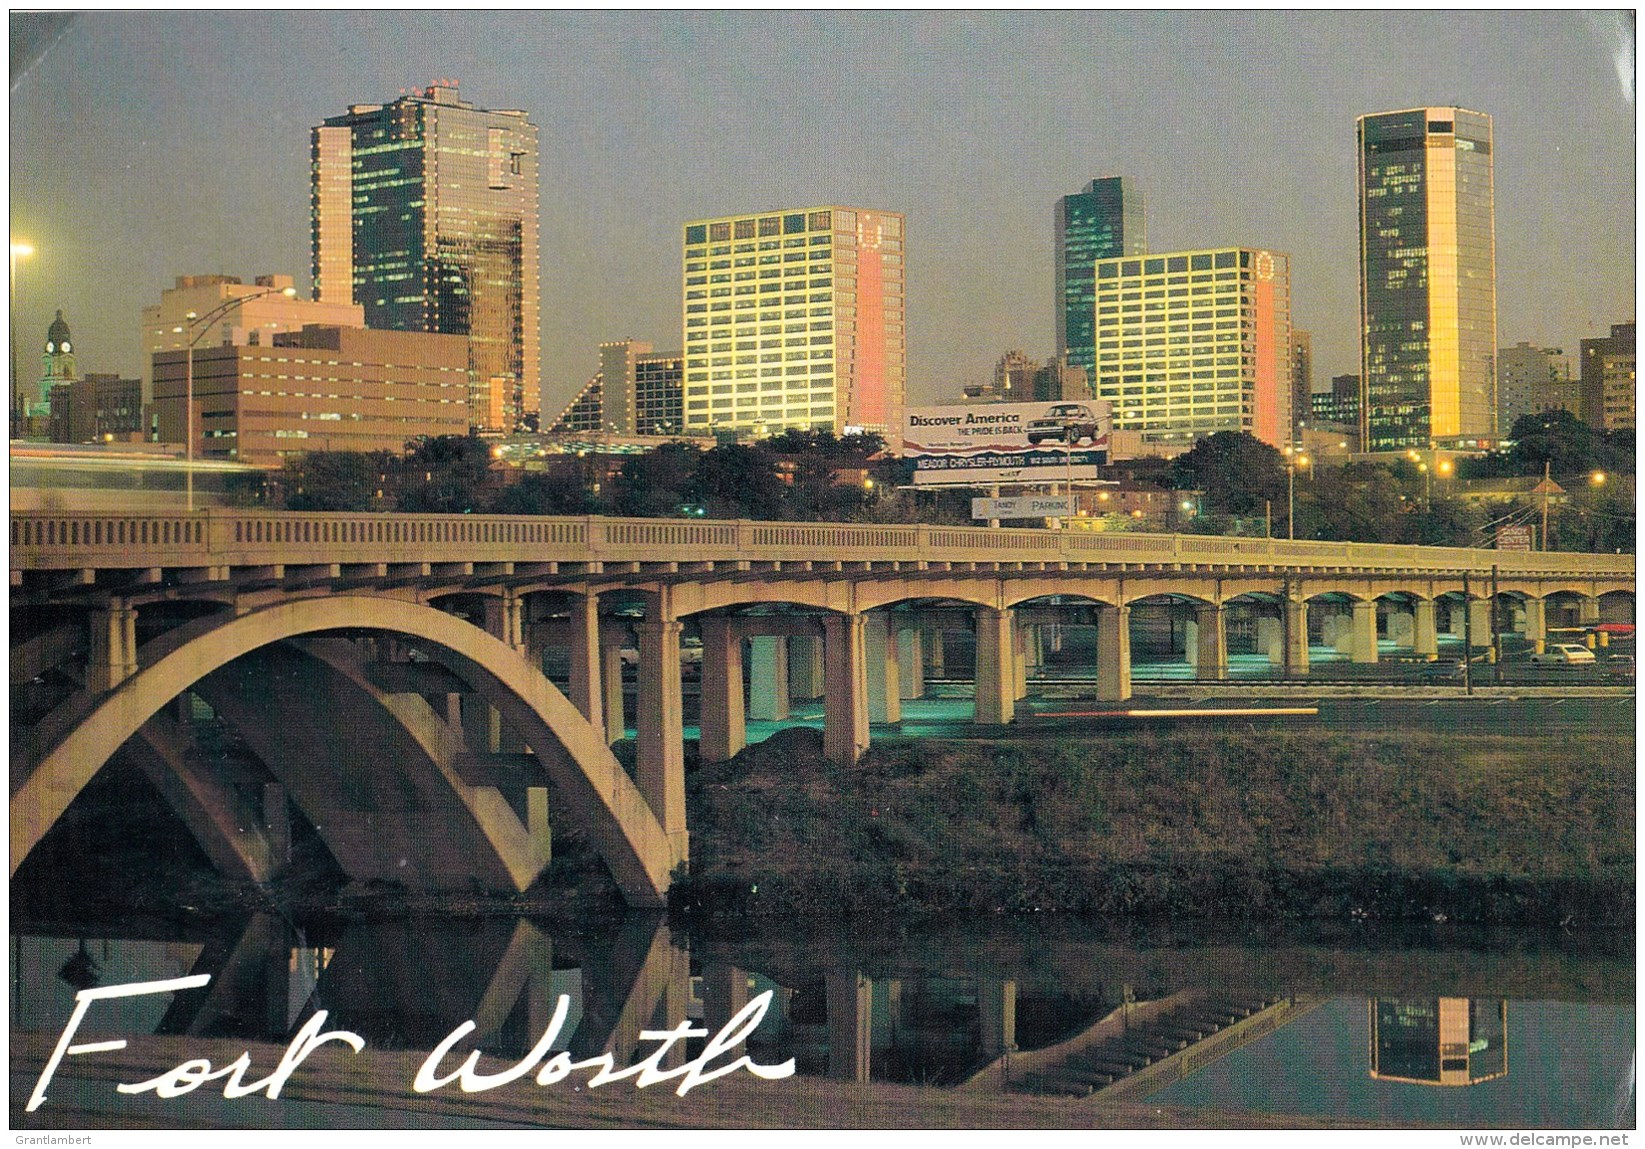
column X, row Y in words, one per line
column 146, row 146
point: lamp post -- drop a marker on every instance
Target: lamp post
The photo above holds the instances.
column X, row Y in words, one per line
column 18, row 251
column 1293, row 459
column 190, row 321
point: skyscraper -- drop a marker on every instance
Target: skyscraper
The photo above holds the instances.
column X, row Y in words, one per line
column 1525, row 376
column 1194, row 342
column 1427, row 240
column 425, row 214
column 1607, row 387
column 1103, row 221
column 795, row 319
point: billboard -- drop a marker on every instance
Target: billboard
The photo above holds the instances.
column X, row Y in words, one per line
column 1513, row 538
column 1007, row 442
column 1024, row 507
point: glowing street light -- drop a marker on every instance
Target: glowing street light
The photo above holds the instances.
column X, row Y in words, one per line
column 204, row 322
column 1294, row 458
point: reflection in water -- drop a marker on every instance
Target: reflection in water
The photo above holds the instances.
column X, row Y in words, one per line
column 1439, row 1041
column 1097, row 1021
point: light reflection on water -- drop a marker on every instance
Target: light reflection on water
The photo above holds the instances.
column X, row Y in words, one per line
column 1400, row 1036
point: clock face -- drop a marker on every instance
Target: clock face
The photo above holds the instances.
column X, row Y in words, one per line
column 50, row 347
column 65, row 347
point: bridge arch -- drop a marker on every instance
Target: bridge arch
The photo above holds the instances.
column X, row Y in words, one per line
column 72, row 744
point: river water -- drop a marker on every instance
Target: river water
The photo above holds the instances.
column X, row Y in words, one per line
column 1346, row 1025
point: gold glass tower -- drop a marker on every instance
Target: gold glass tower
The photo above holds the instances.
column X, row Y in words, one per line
column 795, row 319
column 425, row 214
column 1427, row 241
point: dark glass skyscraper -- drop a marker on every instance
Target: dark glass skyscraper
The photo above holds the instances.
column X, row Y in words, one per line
column 1427, row 241
column 1101, row 222
column 425, row 214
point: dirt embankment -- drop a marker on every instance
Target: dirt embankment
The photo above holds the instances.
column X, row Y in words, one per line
column 1485, row 828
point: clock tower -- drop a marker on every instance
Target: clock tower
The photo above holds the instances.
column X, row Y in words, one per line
column 56, row 366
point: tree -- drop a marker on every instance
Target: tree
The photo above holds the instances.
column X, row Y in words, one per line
column 330, row 481
column 1238, row 472
column 654, row 484
column 559, row 490
column 737, row 482
column 1558, row 440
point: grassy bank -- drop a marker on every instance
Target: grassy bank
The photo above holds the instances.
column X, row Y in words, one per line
column 1486, row 828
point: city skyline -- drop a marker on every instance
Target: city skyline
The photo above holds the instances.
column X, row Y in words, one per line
column 651, row 120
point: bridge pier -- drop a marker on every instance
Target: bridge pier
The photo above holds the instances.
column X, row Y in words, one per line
column 1113, row 653
column 884, row 672
column 1019, row 660
column 1207, row 641
column 659, row 752
column 1296, row 636
column 768, row 677
column 1536, row 624
column 849, row 999
column 934, row 652
column 845, row 703
column 585, row 658
column 806, row 678
column 996, row 699
column 1479, row 622
column 1271, row 637
column 723, row 728
column 911, row 662
column 997, row 1015
column 1424, row 638
column 113, row 654
column 1587, row 610
column 1365, row 630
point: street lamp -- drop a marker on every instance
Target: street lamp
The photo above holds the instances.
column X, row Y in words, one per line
column 204, row 322
column 18, row 251
column 1293, row 459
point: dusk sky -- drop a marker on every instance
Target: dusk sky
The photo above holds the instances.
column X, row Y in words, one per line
column 147, row 146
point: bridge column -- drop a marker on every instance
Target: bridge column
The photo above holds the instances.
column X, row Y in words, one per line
column 845, row 702
column 1365, row 631
column 1296, row 636
column 660, row 729
column 113, row 655
column 1536, row 624
column 849, row 999
column 585, row 658
column 1019, row 660
column 1424, row 638
column 997, row 1013
column 1208, row 644
column 934, row 652
column 996, row 700
column 725, row 991
column 722, row 726
column 1113, row 653
column 1587, row 610
column 768, row 680
column 611, row 686
column 1401, row 624
column 503, row 619
column 884, row 675
column 806, row 678
column 911, row 662
column 1479, row 622
column 1271, row 637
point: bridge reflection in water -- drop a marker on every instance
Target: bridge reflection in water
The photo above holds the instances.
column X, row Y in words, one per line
column 1108, row 1023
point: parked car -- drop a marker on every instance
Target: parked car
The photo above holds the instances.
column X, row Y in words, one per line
column 1620, row 666
column 1064, row 423
column 1565, row 654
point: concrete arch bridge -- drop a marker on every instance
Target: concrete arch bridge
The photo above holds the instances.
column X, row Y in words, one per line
column 388, row 671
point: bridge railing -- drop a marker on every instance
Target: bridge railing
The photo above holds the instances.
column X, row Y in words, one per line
column 79, row 540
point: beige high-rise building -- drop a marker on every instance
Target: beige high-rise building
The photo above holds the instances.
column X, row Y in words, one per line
column 795, row 319
column 425, row 213
column 1190, row 343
